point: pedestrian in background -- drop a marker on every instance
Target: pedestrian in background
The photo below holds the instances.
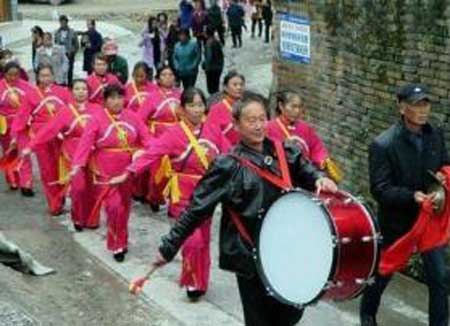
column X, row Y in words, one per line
column 215, row 21
column 91, row 41
column 186, row 12
column 151, row 43
column 214, row 61
column 117, row 65
column 68, row 38
column 236, row 16
column 267, row 16
column 163, row 27
column 186, row 59
column 37, row 39
column 199, row 23
column 55, row 56
column 256, row 17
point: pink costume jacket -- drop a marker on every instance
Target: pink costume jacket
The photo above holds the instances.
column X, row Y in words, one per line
column 135, row 97
column 69, row 124
column 159, row 110
column 221, row 115
column 12, row 97
column 106, row 147
column 96, row 85
column 186, row 167
column 39, row 110
column 303, row 134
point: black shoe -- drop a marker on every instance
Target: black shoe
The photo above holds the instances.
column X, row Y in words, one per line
column 154, row 207
column 368, row 321
column 13, row 187
column 139, row 199
column 194, row 295
column 78, row 228
column 119, row 257
column 27, row 192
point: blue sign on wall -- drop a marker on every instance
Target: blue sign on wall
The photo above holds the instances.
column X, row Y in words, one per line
column 295, row 38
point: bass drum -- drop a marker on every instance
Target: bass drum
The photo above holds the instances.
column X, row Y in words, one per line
column 311, row 248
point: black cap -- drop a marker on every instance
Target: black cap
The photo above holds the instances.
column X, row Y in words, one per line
column 412, row 93
column 63, row 18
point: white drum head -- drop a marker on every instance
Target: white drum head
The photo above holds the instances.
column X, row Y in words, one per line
column 296, row 248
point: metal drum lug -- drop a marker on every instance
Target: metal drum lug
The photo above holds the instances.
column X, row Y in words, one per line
column 367, row 238
column 348, row 201
column 345, row 240
column 299, row 306
column 332, row 284
column 364, row 281
column 334, row 241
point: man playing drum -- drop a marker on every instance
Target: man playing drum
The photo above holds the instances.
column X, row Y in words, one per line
column 399, row 161
column 247, row 181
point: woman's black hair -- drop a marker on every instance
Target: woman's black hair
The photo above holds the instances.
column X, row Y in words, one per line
column 161, row 69
column 114, row 89
column 230, row 75
column 41, row 67
column 185, row 31
column 248, row 98
column 78, row 80
column 38, row 30
column 150, row 28
column 144, row 66
column 162, row 14
column 188, row 96
column 285, row 96
column 11, row 65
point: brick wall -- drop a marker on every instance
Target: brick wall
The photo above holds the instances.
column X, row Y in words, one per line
column 361, row 51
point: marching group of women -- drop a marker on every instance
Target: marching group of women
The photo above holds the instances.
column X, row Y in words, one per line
column 102, row 144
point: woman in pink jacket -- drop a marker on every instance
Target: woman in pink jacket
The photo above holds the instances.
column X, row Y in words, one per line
column 191, row 145
column 69, row 123
column 13, row 92
column 99, row 79
column 220, row 112
column 42, row 105
column 106, row 148
column 289, row 125
column 138, row 90
column 159, row 113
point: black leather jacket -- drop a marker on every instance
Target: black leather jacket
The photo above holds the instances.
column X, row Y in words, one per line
column 398, row 169
column 243, row 191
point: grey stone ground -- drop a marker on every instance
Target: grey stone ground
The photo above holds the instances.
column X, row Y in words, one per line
column 90, row 288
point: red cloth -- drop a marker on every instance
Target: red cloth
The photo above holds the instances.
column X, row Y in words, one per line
column 430, row 231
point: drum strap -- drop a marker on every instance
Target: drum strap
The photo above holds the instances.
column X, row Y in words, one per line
column 236, row 219
column 284, row 182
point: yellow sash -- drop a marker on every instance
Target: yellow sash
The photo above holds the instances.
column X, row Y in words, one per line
column 13, row 97
column 283, row 128
column 227, row 105
column 63, row 169
column 3, row 125
column 121, row 132
column 50, row 106
column 136, row 91
column 78, row 118
column 195, row 145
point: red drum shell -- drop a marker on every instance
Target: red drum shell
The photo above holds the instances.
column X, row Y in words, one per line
column 358, row 246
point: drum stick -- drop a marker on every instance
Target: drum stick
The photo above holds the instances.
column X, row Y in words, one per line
column 137, row 285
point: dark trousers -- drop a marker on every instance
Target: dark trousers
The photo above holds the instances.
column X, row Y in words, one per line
column 259, row 23
column 189, row 80
column 435, row 270
column 70, row 71
column 213, row 80
column 267, row 32
column 236, row 36
column 261, row 309
column 220, row 29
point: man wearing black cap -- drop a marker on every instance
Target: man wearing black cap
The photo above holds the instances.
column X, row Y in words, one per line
column 68, row 38
column 399, row 161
